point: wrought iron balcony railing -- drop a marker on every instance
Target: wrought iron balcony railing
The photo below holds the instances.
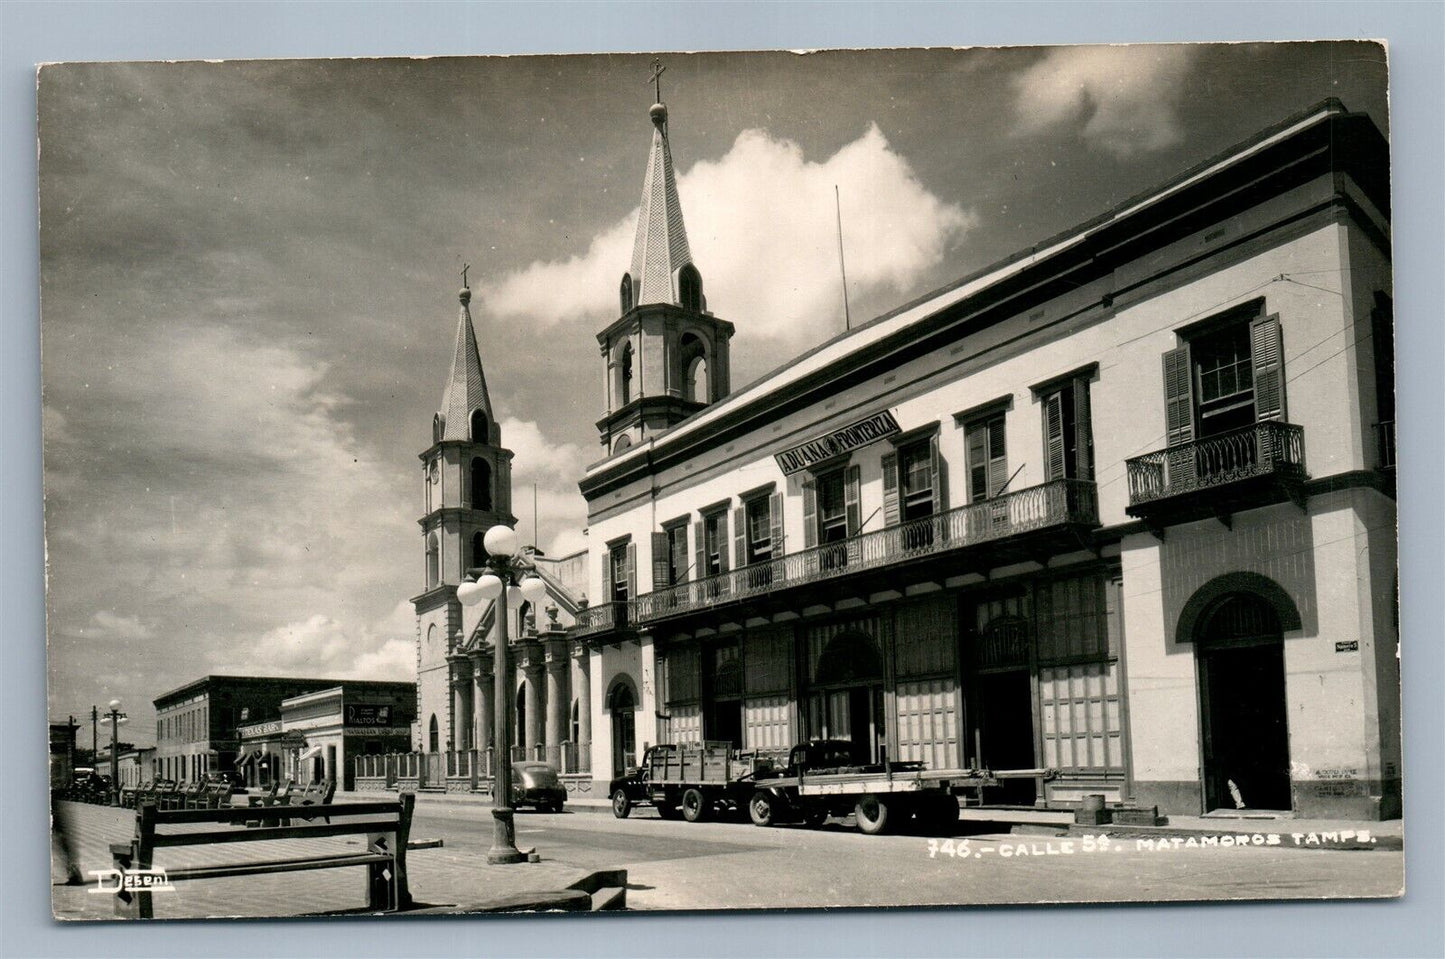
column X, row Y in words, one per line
column 1264, row 449
column 1040, row 507
column 601, row 618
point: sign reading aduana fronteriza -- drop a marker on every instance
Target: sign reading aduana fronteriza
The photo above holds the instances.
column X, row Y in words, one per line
column 838, row 442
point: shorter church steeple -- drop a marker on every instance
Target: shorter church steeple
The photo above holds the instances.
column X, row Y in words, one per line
column 666, row 357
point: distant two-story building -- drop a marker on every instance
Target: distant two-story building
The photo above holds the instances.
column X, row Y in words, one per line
column 1114, row 515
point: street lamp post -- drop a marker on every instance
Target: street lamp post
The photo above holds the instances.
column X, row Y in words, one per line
column 115, row 717
column 504, row 565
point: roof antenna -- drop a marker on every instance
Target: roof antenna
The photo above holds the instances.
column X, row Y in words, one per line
column 842, row 267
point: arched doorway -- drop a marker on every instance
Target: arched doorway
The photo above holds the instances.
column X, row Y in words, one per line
column 622, row 709
column 1240, row 646
column 847, row 695
column 519, row 724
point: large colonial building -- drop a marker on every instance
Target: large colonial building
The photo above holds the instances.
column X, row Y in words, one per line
column 1115, row 515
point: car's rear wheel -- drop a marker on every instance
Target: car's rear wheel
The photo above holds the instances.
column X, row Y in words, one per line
column 621, row 804
column 873, row 815
column 761, row 809
column 694, row 805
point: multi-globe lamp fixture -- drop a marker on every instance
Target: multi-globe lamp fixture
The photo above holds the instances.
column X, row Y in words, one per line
column 509, row 581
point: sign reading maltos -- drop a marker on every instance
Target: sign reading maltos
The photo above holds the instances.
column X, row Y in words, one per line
column 838, row 442
column 367, row 714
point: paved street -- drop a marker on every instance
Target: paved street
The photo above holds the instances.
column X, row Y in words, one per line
column 679, row 865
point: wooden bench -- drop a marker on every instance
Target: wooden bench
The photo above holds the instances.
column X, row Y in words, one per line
column 386, row 825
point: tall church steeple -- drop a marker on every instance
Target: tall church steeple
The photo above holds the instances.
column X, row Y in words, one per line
column 666, row 357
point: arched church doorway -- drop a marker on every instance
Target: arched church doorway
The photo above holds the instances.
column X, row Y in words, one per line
column 1240, row 646
column 847, row 695
column 622, row 709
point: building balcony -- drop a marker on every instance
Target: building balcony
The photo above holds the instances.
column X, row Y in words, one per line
column 1056, row 506
column 1215, row 476
column 602, row 618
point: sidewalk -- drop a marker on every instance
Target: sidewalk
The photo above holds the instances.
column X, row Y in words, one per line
column 455, row 874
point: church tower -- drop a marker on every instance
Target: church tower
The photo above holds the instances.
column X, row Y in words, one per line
column 666, row 356
column 467, row 483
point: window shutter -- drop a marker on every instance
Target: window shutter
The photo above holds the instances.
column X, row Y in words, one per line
column 977, row 462
column 850, row 494
column 607, row 577
column 775, row 508
column 722, row 541
column 740, row 537
column 1083, row 431
column 631, row 570
column 1178, row 397
column 659, row 561
column 679, row 553
column 699, row 545
column 891, row 513
column 810, row 514
column 1054, row 468
column 997, row 457
column 940, row 476
column 1268, row 368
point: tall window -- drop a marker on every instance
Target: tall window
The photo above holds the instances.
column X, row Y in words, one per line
column 1224, row 378
column 479, row 551
column 433, row 736
column 758, row 526
column 625, row 293
column 1227, row 375
column 916, row 477
column 714, row 542
column 624, row 375
column 479, row 427
column 433, row 560
column 987, row 458
column 675, row 541
column 481, row 483
column 832, row 507
column 689, row 288
column 621, row 572
column 1068, row 437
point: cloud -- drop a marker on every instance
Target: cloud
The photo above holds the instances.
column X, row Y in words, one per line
column 106, row 624
column 555, row 468
column 1125, row 96
column 322, row 646
column 763, row 230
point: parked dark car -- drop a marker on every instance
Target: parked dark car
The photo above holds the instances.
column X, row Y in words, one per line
column 536, row 784
column 630, row 789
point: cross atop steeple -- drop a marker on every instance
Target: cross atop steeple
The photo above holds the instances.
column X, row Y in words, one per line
column 656, row 79
column 465, row 268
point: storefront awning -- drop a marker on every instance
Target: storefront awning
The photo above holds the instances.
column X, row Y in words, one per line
column 308, row 753
column 247, row 756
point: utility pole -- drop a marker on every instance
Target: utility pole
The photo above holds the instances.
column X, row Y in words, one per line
column 94, row 734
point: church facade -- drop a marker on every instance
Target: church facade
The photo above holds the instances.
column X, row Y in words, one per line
column 1112, row 516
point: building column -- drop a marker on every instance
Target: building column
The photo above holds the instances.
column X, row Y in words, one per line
column 582, row 685
column 481, row 700
column 458, row 714
column 557, row 698
column 530, row 664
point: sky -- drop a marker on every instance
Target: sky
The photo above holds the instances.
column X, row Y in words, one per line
column 249, row 272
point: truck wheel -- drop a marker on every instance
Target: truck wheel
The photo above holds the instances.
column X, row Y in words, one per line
column 761, row 809
column 621, row 805
column 873, row 815
column 694, row 806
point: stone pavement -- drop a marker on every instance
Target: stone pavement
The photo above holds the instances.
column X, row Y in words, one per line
column 454, row 874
